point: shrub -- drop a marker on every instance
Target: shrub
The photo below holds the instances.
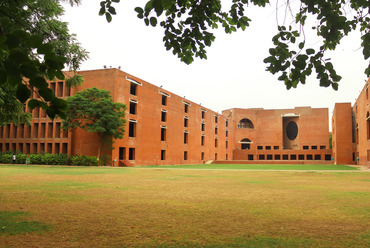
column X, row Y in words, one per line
column 20, row 158
column 6, row 158
column 36, row 159
column 62, row 159
column 81, row 160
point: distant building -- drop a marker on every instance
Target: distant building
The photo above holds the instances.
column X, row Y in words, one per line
column 163, row 128
column 351, row 130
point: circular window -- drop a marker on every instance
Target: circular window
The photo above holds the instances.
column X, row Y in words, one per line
column 292, row 130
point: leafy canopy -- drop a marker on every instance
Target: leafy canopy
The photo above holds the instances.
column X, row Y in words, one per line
column 35, row 46
column 94, row 111
column 187, row 28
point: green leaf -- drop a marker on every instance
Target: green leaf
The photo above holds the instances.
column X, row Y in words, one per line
column 35, row 41
column 153, row 21
column 3, row 76
column 33, row 103
column 102, row 10
column 11, row 68
column 335, row 86
column 19, row 56
column 28, row 70
column 310, row 51
column 47, row 94
column 301, row 45
column 23, row 93
column 39, row 82
column 108, row 17
column 45, row 48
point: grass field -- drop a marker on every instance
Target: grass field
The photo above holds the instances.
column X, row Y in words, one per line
column 56, row 206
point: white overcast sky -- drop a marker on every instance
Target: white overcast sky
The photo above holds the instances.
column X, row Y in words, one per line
column 234, row 74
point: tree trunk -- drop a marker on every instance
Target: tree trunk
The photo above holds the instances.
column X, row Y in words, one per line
column 99, row 150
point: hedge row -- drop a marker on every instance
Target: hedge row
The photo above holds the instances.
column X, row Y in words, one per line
column 48, row 159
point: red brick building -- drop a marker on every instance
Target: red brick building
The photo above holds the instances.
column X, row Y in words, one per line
column 164, row 128
column 351, row 130
column 295, row 134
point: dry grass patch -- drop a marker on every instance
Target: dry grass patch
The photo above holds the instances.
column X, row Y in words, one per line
column 110, row 207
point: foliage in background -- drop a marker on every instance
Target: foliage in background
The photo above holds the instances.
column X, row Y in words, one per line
column 34, row 46
column 94, row 111
column 48, row 159
column 187, row 28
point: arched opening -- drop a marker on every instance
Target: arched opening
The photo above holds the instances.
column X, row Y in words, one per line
column 245, row 144
column 245, row 123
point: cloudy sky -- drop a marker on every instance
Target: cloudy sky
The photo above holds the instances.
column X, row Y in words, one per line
column 234, row 74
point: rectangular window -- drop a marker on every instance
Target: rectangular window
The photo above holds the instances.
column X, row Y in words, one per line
column 227, row 144
column 277, row 157
column 132, row 129
column 65, row 148
column 301, row 157
column 216, row 130
column 202, row 156
column 35, row 130
column 216, row 143
column 327, row 157
column 50, row 130
column 21, row 131
column 57, row 148
column 59, row 89
column 52, row 86
column 163, row 133
column 186, row 138
column 203, row 114
column 28, row 148
column 227, row 156
column 276, row 147
column 261, row 157
column 186, row 108
column 305, row 147
column 131, row 153
column 317, row 157
column 268, row 147
column 14, row 133
column 163, row 116
column 216, row 119
column 314, row 147
column 203, row 127
column 49, row 148
column 293, row 157
column 122, row 153
column 322, row 147
column 164, row 100
column 186, row 122
column 202, row 140
column 133, row 88
column 67, row 91
column 163, row 154
column 215, row 156
column 133, row 105
column 269, row 156
column 227, row 123
column 259, row 147
column 42, row 130
column 34, row 148
column 285, row 157
column 250, row 157
column 57, row 130
column 309, row 157
column 42, row 147
column 185, row 155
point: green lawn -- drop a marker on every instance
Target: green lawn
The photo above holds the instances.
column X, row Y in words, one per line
column 60, row 206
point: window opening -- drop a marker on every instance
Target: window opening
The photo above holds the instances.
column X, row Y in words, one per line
column 131, row 153
column 133, row 107
column 163, row 133
column 132, row 128
column 245, row 123
column 122, row 153
column 163, row 154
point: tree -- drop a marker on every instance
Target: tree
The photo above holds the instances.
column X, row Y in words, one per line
column 187, row 25
column 35, row 46
column 94, row 111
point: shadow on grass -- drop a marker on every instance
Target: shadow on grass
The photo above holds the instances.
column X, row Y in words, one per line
column 11, row 223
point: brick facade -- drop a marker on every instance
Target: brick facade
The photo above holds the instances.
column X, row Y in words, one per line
column 163, row 128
